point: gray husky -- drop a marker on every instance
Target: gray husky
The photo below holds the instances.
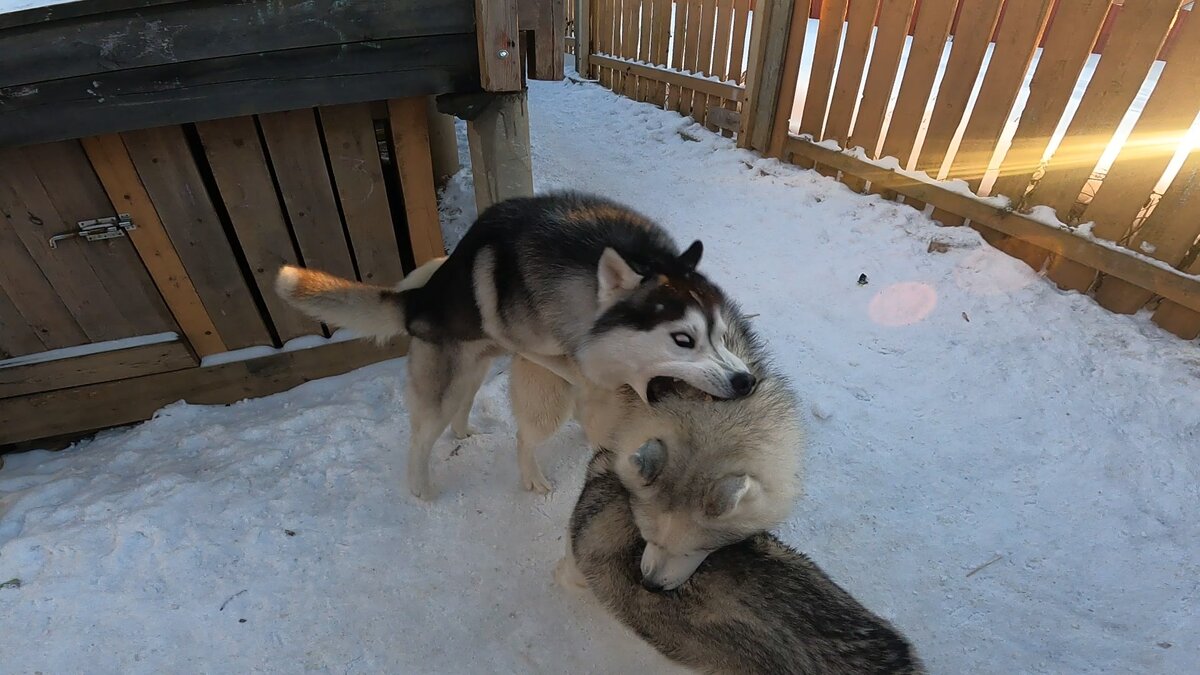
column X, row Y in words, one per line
column 742, row 456
column 573, row 283
column 754, row 606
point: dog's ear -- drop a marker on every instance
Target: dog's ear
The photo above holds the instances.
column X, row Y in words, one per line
column 615, row 276
column 725, row 494
column 691, row 257
column 650, row 460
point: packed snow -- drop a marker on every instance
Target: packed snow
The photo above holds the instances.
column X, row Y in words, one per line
column 1006, row 471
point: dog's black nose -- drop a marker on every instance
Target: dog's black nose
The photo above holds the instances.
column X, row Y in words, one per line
column 742, row 383
column 651, row 585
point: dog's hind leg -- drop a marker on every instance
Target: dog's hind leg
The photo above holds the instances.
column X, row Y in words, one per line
column 567, row 572
column 441, row 380
column 474, row 361
column 541, row 402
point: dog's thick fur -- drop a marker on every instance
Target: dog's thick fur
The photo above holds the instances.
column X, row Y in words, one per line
column 579, row 285
column 756, row 606
column 744, row 455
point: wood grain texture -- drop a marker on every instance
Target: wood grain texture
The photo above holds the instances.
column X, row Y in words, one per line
column 294, row 147
column 1160, row 129
column 1169, row 232
column 243, row 179
column 28, row 210
column 928, row 42
column 77, row 194
column 860, row 18
column 894, row 19
column 209, row 29
column 410, row 135
column 17, row 336
column 354, row 157
column 177, row 93
column 31, row 293
column 115, row 169
column 496, row 41
column 97, row 406
column 1136, row 40
column 168, row 171
column 92, row 368
column 820, row 79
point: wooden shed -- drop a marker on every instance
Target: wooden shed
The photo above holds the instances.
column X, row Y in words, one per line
column 160, row 159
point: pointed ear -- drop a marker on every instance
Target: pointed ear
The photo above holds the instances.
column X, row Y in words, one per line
column 691, row 257
column 615, row 275
column 724, row 495
column 650, row 460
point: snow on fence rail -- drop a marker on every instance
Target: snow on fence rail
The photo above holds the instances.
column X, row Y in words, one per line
column 1087, row 107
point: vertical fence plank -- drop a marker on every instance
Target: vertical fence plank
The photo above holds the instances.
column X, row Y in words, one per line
column 788, row 76
column 674, row 93
column 659, row 52
column 929, row 39
column 603, row 38
column 720, row 66
column 971, row 35
column 243, row 178
column 704, row 55
column 860, row 18
column 691, row 31
column 820, row 77
column 894, row 19
column 1162, row 126
column 294, row 147
column 168, row 171
column 737, row 46
column 1136, row 39
column 117, row 174
column 1073, row 31
column 1167, row 235
column 410, row 134
column 354, row 157
column 645, row 85
column 1016, row 41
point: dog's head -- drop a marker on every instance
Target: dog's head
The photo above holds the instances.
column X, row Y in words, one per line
column 668, row 322
column 685, row 512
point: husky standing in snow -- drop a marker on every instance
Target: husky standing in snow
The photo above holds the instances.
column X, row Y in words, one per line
column 568, row 281
column 754, row 607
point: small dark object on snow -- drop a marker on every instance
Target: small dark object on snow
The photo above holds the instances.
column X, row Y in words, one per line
column 966, row 318
column 290, row 533
column 862, row 280
column 241, row 621
column 1165, row 645
column 11, row 583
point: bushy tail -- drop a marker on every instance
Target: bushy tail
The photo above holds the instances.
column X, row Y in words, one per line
column 371, row 311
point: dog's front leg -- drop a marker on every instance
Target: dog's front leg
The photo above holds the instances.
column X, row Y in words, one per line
column 567, row 572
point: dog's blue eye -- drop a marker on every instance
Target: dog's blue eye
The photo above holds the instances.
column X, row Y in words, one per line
column 683, row 340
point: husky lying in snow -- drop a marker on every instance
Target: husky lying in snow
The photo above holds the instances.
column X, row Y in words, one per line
column 743, row 456
column 756, row 606
column 574, row 283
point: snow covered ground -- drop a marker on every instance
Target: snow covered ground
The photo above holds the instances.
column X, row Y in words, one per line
column 962, row 411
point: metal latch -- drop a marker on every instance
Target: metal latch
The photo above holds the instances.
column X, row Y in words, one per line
column 100, row 228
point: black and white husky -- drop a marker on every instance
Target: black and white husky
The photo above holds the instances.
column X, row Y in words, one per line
column 574, row 283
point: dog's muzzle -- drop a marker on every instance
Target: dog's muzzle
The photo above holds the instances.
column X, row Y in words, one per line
column 662, row 571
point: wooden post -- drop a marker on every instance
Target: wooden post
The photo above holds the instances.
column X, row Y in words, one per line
column 768, row 42
column 583, row 38
column 443, row 143
column 499, row 58
column 410, row 134
column 500, row 151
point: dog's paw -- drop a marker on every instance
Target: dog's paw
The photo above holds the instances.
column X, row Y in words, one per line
column 422, row 489
column 463, row 432
column 567, row 575
column 534, row 481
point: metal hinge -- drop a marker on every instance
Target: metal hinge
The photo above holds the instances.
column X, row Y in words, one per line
column 100, row 228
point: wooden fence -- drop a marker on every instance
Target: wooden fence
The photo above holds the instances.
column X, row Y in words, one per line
column 1127, row 221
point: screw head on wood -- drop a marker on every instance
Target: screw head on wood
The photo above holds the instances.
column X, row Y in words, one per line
column 503, row 53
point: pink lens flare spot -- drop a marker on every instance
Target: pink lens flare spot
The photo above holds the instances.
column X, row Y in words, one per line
column 902, row 304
